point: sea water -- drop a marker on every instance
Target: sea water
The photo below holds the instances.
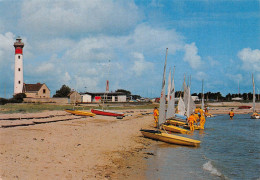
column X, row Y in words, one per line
column 230, row 149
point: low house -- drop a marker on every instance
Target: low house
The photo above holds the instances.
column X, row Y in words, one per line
column 107, row 97
column 74, row 97
column 36, row 90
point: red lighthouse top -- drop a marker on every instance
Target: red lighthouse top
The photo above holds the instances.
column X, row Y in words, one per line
column 18, row 45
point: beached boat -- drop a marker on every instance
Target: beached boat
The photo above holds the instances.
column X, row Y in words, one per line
column 79, row 113
column 107, row 113
column 175, row 122
column 164, row 136
column 169, row 138
column 175, row 129
column 244, row 107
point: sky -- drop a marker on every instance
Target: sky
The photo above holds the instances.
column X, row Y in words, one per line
column 83, row 43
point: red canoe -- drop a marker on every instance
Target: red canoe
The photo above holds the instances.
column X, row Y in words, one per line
column 244, row 107
column 106, row 112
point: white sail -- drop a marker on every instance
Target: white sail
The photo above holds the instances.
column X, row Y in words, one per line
column 181, row 107
column 169, row 87
column 171, row 108
column 186, row 95
column 188, row 101
column 192, row 106
column 162, row 108
column 253, row 93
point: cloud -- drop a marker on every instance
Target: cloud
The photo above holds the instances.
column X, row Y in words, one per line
column 235, row 77
column 140, row 64
column 191, row 55
column 201, row 76
column 155, row 40
column 250, row 59
column 6, row 47
column 44, row 68
column 77, row 17
column 213, row 62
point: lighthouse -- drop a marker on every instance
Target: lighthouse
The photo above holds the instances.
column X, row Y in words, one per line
column 18, row 66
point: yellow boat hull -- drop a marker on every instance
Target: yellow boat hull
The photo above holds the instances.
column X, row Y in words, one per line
column 170, row 138
column 176, row 123
column 80, row 113
column 175, row 129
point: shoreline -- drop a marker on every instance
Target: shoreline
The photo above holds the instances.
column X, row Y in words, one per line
column 98, row 147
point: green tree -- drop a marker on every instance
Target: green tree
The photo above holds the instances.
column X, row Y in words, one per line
column 17, row 98
column 128, row 93
column 63, row 92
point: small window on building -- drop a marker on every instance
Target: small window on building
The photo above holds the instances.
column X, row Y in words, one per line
column 19, row 82
column 19, row 69
column 44, row 91
column 18, row 57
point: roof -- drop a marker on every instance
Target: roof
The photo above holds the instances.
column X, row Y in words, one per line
column 72, row 93
column 32, row 87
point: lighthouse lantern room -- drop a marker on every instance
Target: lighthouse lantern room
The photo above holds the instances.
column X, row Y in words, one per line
column 18, row 66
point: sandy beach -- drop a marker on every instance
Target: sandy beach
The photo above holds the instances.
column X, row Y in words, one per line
column 84, row 148
column 58, row 145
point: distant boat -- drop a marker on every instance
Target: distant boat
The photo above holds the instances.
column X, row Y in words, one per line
column 107, row 113
column 80, row 113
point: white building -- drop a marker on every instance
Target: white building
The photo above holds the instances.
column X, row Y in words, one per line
column 100, row 97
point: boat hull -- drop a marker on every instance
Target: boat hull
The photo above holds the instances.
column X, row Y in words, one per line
column 169, row 138
column 106, row 113
column 80, row 113
column 176, row 123
column 175, row 129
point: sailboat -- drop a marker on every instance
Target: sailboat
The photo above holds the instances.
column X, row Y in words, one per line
column 171, row 125
column 80, row 113
column 164, row 136
column 254, row 115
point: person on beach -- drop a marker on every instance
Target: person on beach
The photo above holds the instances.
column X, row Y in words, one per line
column 191, row 121
column 201, row 112
column 155, row 115
column 231, row 114
column 202, row 121
column 196, row 115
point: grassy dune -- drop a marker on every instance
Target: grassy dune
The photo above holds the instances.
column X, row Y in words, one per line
column 38, row 107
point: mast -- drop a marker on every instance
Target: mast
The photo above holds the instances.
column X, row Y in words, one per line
column 253, row 93
column 162, row 114
column 202, row 96
column 169, row 87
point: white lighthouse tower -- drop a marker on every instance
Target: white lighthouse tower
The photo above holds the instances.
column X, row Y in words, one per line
column 18, row 66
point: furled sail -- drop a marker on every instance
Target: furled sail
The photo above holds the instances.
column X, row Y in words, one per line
column 162, row 108
column 171, row 108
